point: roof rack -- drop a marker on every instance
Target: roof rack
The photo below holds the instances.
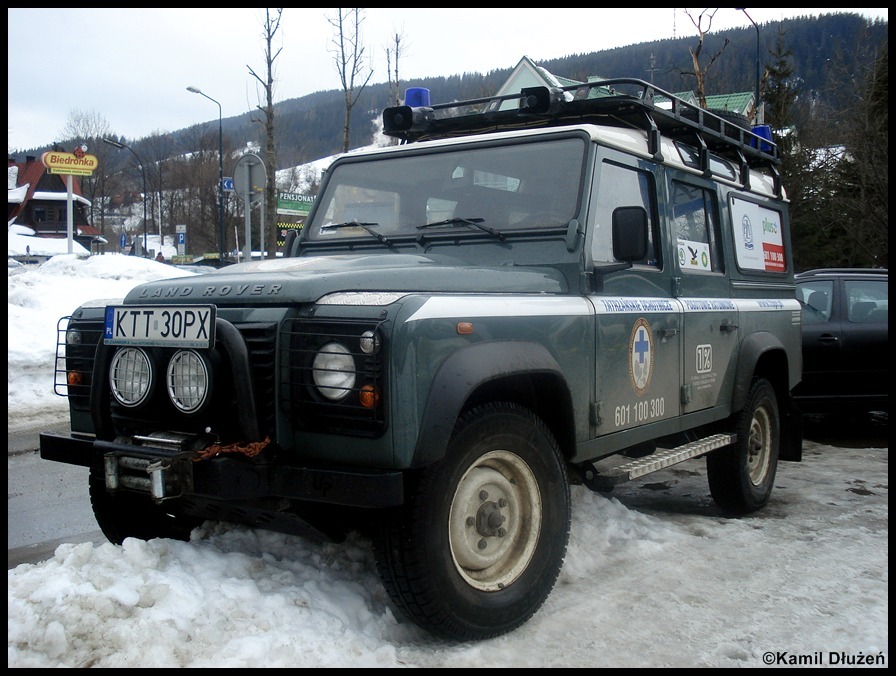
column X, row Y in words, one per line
column 619, row 102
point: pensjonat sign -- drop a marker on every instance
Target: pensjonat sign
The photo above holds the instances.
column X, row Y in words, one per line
column 294, row 204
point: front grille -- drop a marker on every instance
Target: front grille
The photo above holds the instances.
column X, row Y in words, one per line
column 76, row 352
column 308, row 409
column 261, row 340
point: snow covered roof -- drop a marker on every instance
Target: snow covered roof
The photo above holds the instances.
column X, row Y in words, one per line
column 29, row 245
column 57, row 196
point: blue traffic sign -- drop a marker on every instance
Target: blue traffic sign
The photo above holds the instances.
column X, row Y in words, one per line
column 227, row 184
column 122, row 241
column 181, row 238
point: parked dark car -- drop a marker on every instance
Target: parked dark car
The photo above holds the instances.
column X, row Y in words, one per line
column 845, row 332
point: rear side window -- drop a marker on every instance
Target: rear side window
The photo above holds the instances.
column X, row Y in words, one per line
column 695, row 220
column 758, row 237
column 867, row 301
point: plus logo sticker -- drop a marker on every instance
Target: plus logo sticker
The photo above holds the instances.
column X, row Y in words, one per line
column 640, row 347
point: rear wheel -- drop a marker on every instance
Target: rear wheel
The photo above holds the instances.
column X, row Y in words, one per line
column 741, row 476
column 124, row 514
column 478, row 547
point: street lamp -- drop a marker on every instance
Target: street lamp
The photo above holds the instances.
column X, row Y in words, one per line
column 143, row 171
column 196, row 90
column 756, row 114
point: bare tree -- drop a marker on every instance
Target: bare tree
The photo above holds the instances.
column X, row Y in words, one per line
column 269, row 30
column 195, row 179
column 393, row 56
column 700, row 72
column 348, row 55
column 88, row 127
column 157, row 148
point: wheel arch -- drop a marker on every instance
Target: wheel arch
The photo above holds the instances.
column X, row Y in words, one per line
column 522, row 372
column 763, row 355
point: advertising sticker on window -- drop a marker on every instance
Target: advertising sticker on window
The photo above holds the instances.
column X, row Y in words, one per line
column 758, row 239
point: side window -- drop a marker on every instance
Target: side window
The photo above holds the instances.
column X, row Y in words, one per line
column 695, row 222
column 815, row 299
column 623, row 187
column 867, row 301
column 758, row 236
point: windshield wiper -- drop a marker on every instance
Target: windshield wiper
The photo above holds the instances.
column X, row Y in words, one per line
column 473, row 222
column 368, row 227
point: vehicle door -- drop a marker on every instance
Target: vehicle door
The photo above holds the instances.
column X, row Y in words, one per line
column 864, row 334
column 710, row 316
column 637, row 322
column 821, row 336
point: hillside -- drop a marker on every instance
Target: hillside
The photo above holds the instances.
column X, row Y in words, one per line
column 310, row 127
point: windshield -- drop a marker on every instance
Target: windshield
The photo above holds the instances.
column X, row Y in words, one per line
column 492, row 190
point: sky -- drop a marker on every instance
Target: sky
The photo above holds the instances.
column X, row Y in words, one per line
column 132, row 66
column 654, row 575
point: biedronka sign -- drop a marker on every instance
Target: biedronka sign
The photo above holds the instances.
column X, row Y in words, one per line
column 78, row 163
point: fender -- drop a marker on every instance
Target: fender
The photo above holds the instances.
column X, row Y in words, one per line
column 751, row 350
column 460, row 375
column 754, row 348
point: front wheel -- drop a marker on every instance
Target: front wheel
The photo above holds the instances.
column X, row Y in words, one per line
column 741, row 476
column 478, row 547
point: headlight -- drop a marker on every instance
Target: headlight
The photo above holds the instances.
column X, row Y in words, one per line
column 334, row 371
column 130, row 376
column 73, row 337
column 187, row 380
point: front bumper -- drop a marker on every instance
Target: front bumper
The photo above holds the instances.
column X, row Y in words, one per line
column 169, row 473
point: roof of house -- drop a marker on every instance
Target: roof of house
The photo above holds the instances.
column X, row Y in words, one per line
column 738, row 102
column 30, row 172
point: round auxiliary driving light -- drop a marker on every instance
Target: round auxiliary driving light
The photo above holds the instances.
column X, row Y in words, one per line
column 187, row 380
column 130, row 376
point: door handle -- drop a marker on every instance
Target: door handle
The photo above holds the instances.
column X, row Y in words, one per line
column 727, row 326
column 668, row 333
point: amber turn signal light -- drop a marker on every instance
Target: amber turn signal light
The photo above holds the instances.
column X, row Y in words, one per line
column 369, row 397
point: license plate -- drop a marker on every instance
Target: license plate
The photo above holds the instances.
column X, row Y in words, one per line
column 161, row 325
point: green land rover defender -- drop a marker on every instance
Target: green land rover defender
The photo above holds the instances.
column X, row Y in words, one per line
column 576, row 285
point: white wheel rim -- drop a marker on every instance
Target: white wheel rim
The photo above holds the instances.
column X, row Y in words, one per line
column 759, row 446
column 495, row 521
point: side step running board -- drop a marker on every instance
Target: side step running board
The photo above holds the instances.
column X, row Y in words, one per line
column 604, row 481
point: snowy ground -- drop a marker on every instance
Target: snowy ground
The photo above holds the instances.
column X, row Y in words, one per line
column 655, row 576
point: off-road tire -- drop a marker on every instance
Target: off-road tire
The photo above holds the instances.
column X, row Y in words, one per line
column 741, row 476
column 477, row 548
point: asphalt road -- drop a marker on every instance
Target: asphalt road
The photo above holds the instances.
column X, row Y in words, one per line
column 47, row 502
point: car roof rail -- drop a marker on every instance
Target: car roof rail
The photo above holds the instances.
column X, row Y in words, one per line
column 618, row 102
column 843, row 271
